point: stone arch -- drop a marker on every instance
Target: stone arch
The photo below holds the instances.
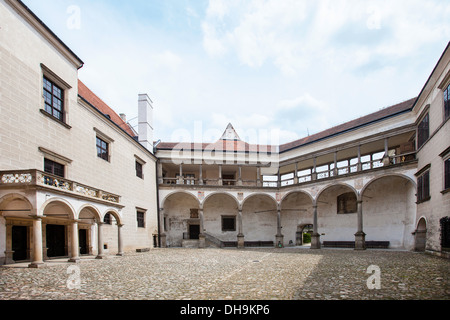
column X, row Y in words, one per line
column 15, row 201
column 296, row 211
column 92, row 210
column 220, row 212
column 181, row 217
column 114, row 213
column 229, row 195
column 163, row 202
column 259, row 218
column 297, row 191
column 389, row 210
column 386, row 176
column 51, row 207
column 258, row 194
column 335, row 185
column 337, row 212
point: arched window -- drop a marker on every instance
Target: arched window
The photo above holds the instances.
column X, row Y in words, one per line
column 445, row 233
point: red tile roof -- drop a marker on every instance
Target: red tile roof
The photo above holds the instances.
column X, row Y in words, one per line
column 240, row 146
column 351, row 125
column 101, row 106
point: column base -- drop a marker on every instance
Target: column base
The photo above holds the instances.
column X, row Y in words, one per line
column 279, row 241
column 163, row 241
column 315, row 241
column 36, row 265
column 120, row 254
column 74, row 260
column 100, row 256
column 240, row 241
column 360, row 241
column 201, row 241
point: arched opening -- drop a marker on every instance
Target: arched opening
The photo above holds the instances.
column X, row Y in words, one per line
column 57, row 234
column 337, row 213
column 181, row 218
column 88, row 219
column 110, row 237
column 420, row 236
column 296, row 213
column 389, row 211
column 16, row 228
column 220, row 212
column 259, row 220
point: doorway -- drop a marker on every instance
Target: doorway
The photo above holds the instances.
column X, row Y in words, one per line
column 56, row 240
column 194, row 231
column 420, row 236
column 20, row 243
column 83, row 240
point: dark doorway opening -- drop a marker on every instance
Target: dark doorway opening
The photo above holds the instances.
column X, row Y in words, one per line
column 82, row 238
column 194, row 231
column 20, row 243
column 56, row 240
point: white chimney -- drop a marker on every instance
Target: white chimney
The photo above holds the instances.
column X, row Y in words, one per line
column 145, row 118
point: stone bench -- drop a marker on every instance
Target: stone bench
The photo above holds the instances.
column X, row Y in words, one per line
column 351, row 244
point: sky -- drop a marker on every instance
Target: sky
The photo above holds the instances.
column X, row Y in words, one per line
column 278, row 70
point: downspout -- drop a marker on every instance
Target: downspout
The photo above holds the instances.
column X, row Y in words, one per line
column 157, row 194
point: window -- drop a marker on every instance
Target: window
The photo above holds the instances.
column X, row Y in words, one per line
column 423, row 187
column 423, row 131
column 54, row 168
column 228, row 223
column 107, row 218
column 54, row 99
column 140, row 219
column 346, row 203
column 445, row 233
column 139, row 172
column 447, row 103
column 102, row 149
column 447, row 174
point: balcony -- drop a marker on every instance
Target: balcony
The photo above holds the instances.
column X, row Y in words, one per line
column 288, row 174
column 42, row 180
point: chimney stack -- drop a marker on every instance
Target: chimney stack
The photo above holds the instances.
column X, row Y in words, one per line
column 145, row 118
column 123, row 116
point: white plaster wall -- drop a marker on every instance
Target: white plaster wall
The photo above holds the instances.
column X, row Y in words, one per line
column 258, row 223
column 214, row 208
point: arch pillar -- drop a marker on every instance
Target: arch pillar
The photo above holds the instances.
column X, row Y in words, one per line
column 315, row 237
column 37, row 252
column 75, row 243
column 162, row 235
column 360, row 236
column 100, row 254
column 240, row 236
column 279, row 238
column 119, row 239
column 201, row 236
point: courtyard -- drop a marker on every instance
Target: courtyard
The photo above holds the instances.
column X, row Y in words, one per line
column 231, row 274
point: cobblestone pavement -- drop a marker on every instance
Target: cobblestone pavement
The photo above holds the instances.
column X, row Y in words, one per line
column 221, row 274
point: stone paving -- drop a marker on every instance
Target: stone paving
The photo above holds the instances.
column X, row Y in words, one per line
column 222, row 274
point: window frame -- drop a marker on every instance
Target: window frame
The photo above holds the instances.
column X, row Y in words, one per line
column 228, row 229
column 139, row 171
column 423, row 185
column 447, row 103
column 140, row 220
column 52, row 163
column 51, row 107
column 107, row 149
column 421, row 137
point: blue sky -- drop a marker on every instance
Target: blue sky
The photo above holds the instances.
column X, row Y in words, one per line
column 276, row 69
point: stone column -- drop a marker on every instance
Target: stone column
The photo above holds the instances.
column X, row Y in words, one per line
column 160, row 173
column 201, row 236
column 240, row 236
column 359, row 165
column 180, row 178
column 100, row 254
column 279, row 237
column 360, row 236
column 119, row 239
column 37, row 244
column 313, row 173
column 75, row 245
column 9, row 251
column 162, row 235
column 335, row 169
column 258, row 176
column 239, row 180
column 220, row 182
column 296, row 173
column 315, row 237
column 200, row 175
